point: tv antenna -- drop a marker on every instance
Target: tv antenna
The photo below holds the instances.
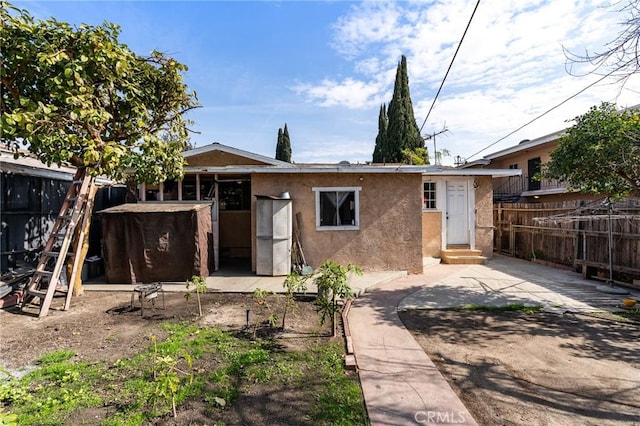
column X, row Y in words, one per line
column 436, row 157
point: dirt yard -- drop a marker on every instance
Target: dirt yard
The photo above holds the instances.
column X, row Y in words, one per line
column 512, row 368
column 101, row 327
column 509, row 368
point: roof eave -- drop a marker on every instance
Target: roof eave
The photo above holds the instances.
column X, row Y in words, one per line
column 216, row 146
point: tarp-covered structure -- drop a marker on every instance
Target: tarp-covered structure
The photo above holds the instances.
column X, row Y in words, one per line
column 149, row 242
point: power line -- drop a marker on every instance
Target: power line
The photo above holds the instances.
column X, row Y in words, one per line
column 549, row 110
column 450, row 65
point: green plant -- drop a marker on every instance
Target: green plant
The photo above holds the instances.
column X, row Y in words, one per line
column 294, row 283
column 535, row 254
column 46, row 394
column 260, row 297
column 199, row 285
column 56, row 357
column 7, row 419
column 145, row 387
column 332, row 280
column 166, row 373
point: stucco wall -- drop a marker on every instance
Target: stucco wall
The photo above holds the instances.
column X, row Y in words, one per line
column 484, row 215
column 390, row 234
column 522, row 157
column 431, row 233
column 219, row 158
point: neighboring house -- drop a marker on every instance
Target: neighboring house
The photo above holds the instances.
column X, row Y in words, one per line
column 31, row 196
column 528, row 156
column 379, row 217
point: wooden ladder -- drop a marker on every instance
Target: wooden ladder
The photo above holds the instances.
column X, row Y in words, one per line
column 75, row 210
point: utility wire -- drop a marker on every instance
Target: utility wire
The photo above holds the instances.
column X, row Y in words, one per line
column 450, row 65
column 550, row 109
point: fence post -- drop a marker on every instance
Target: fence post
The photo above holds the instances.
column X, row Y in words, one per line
column 512, row 240
column 585, row 267
column 499, row 223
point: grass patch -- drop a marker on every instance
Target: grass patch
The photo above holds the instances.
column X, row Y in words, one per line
column 56, row 357
column 190, row 364
column 45, row 395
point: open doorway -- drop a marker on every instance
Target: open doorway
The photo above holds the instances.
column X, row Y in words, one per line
column 234, row 223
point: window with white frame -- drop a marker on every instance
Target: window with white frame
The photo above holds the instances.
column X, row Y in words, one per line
column 429, row 196
column 337, row 208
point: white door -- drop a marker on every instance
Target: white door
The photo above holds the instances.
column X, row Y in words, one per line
column 457, row 215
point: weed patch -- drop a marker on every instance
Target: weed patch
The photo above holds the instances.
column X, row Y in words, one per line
column 193, row 366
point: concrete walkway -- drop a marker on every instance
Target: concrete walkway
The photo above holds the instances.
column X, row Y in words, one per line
column 401, row 385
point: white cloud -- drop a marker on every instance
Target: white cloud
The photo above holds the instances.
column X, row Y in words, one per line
column 510, row 68
column 349, row 92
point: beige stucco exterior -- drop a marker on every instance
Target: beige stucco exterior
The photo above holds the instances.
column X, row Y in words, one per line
column 393, row 232
column 390, row 232
column 484, row 215
column 431, row 233
column 520, row 159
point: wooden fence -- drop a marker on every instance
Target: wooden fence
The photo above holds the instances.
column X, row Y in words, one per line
column 573, row 233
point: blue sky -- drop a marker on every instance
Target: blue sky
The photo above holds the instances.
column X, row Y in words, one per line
column 325, row 67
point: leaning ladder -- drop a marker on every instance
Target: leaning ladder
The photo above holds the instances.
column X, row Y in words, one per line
column 75, row 210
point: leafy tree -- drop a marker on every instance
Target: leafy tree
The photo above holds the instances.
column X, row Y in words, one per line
column 402, row 131
column 77, row 95
column 418, row 156
column 381, row 139
column 600, row 154
column 621, row 56
column 283, row 147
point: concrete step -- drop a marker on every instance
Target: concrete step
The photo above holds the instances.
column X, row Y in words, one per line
column 462, row 257
column 460, row 252
column 464, row 260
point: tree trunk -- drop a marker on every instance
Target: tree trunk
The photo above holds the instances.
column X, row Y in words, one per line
column 80, row 248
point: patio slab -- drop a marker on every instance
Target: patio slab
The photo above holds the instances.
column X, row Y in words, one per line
column 504, row 280
column 233, row 282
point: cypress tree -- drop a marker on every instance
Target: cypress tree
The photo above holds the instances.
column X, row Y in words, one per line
column 283, row 146
column 379, row 151
column 286, row 144
column 279, row 144
column 402, row 129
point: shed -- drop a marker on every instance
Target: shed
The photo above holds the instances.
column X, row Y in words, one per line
column 147, row 242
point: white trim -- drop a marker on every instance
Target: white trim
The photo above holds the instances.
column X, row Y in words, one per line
column 404, row 169
column 355, row 189
column 471, row 207
column 435, row 193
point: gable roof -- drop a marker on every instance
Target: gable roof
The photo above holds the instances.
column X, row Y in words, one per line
column 526, row 144
column 276, row 166
column 217, row 146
